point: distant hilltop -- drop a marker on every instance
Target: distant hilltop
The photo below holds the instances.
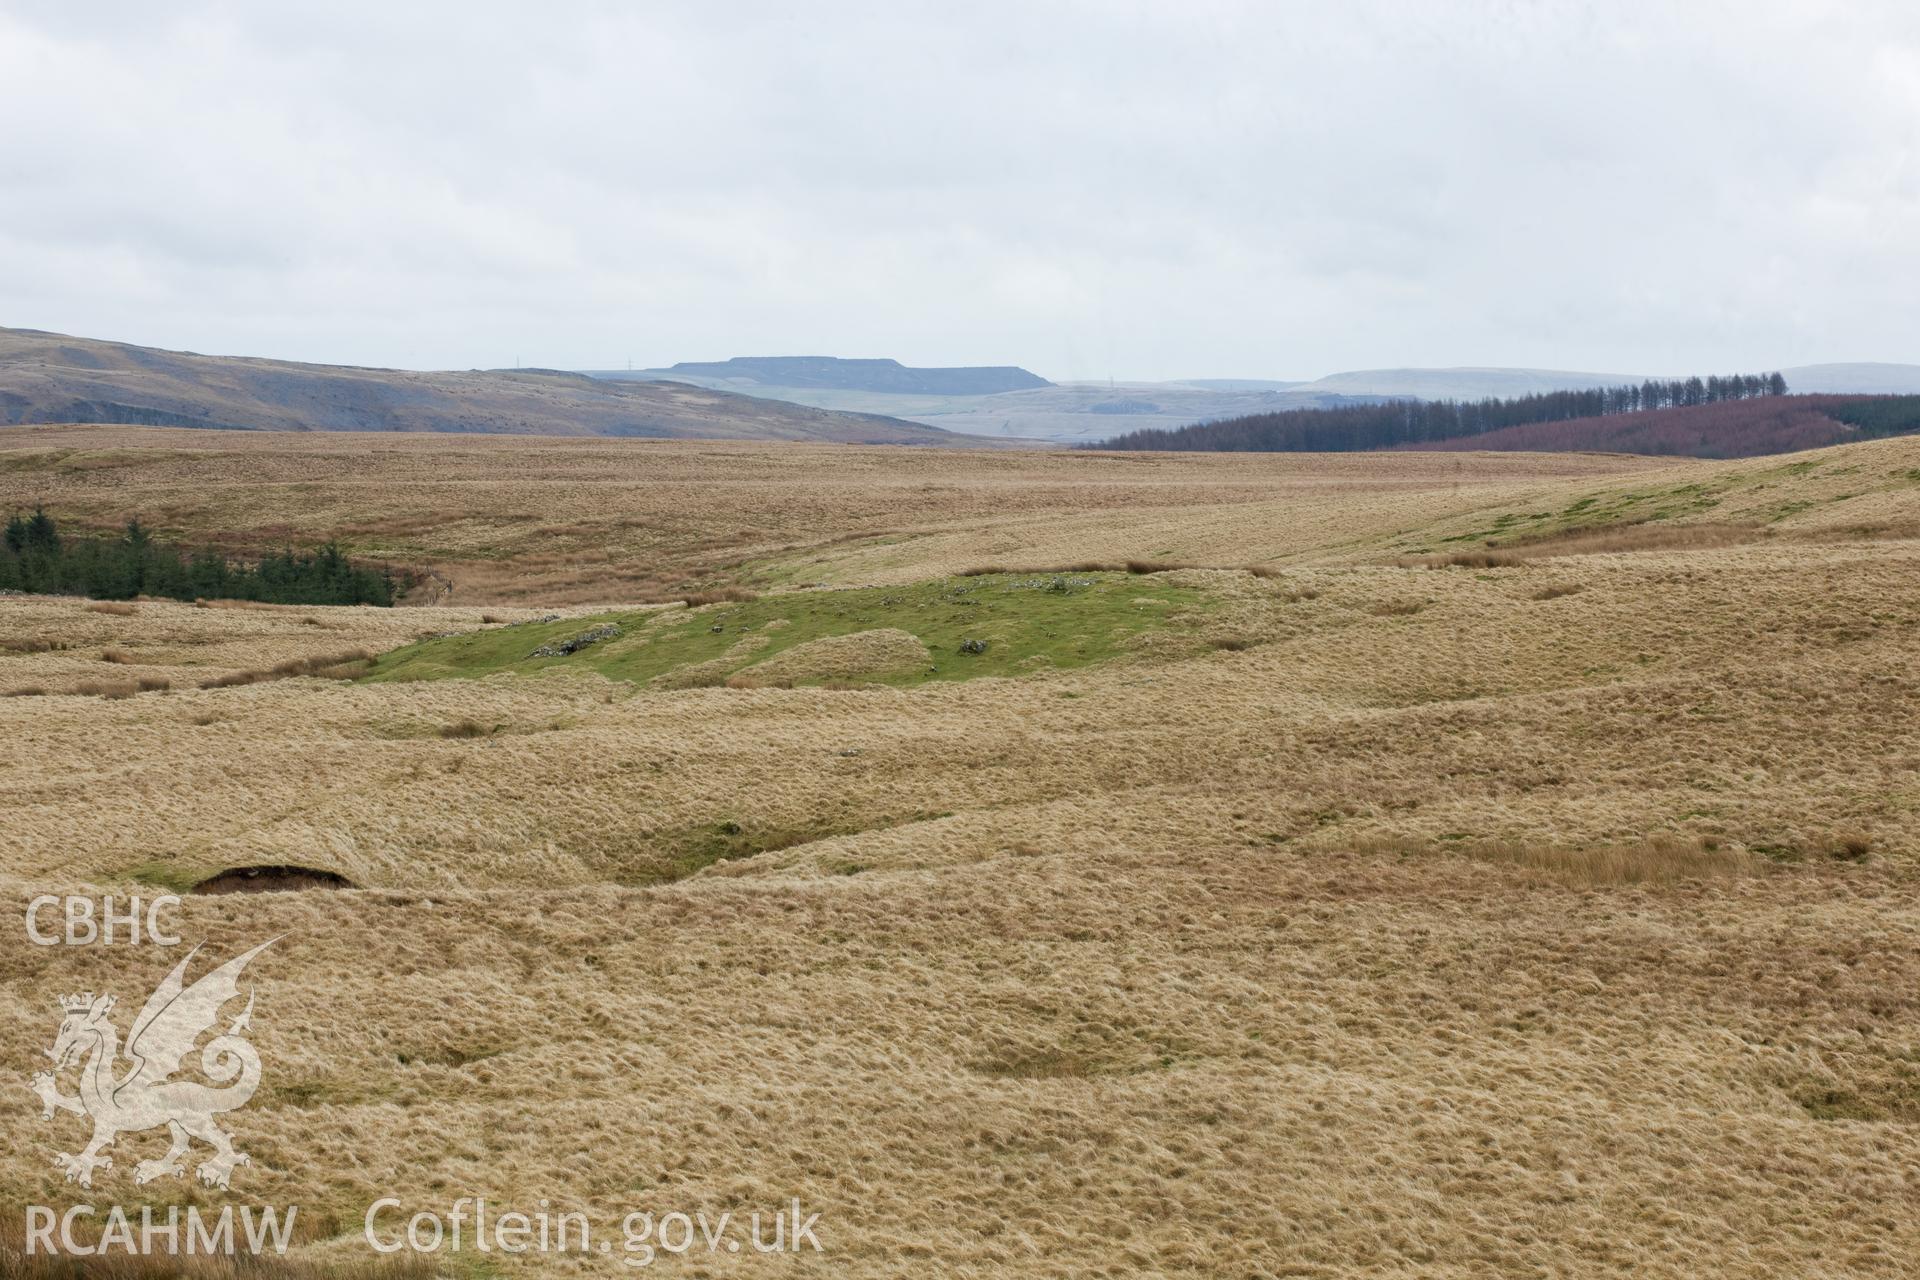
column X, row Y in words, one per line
column 1502, row 383
column 832, row 373
column 50, row 378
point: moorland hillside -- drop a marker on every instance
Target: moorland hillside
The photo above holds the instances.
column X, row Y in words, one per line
column 1513, row 870
column 51, row 378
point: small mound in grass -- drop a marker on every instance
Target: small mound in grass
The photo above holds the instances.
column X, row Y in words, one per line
column 271, row 879
column 884, row 651
column 904, row 635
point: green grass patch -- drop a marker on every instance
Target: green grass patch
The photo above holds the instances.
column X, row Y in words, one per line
column 1837, row 1104
column 681, row 853
column 163, row 875
column 1025, row 623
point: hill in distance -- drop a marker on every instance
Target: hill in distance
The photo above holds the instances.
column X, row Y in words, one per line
column 1855, row 379
column 1005, row 403
column 1730, row 429
column 1722, row 416
column 1478, row 383
column 52, row 378
column 1011, row 403
column 834, row 374
column 1462, row 383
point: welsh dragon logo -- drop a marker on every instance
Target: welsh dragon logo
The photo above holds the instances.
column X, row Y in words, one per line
column 143, row 1097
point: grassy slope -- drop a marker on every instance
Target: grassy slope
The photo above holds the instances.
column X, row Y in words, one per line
column 47, row 377
column 1861, row 490
column 600, row 522
column 1285, row 959
column 1055, row 622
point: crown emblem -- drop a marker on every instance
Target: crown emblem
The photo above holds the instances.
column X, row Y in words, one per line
column 77, row 1003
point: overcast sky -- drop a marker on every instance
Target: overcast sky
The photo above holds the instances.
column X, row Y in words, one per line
column 1164, row 190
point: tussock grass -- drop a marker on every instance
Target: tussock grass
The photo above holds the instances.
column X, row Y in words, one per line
column 1109, row 566
column 1649, row 536
column 114, row 608
column 529, row 520
column 33, row 644
column 120, row 656
column 257, row 605
column 747, row 681
column 1464, row 560
column 337, row 666
column 1663, row 860
column 873, row 654
column 1850, row 846
column 109, row 689
column 720, row 595
column 1134, row 933
column 1595, row 540
column 17, row 1264
column 1079, row 566
column 234, row 679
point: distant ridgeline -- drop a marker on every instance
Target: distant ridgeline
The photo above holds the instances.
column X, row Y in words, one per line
column 36, row 557
column 1414, row 422
column 833, row 373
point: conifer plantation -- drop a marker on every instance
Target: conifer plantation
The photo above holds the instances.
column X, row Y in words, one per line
column 1397, row 422
column 36, row 558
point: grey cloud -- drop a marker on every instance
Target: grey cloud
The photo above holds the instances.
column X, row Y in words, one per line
column 1151, row 190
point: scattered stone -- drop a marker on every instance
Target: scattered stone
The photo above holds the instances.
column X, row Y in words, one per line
column 561, row 648
column 973, row 646
column 1058, row 584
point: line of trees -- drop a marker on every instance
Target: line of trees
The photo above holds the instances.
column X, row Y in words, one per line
column 1399, row 422
column 1880, row 415
column 1730, row 429
column 35, row 557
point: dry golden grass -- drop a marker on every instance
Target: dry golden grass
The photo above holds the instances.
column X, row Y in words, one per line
column 508, row 518
column 17, row 1264
column 1660, row 861
column 1554, row 918
column 864, row 653
column 1585, row 542
column 59, row 642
